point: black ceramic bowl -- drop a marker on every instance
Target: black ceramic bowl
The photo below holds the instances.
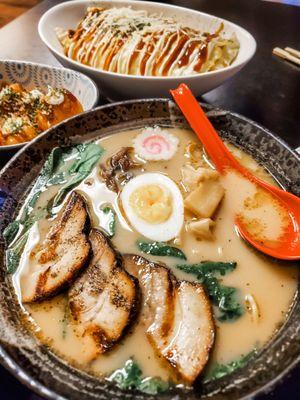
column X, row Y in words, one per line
column 31, row 362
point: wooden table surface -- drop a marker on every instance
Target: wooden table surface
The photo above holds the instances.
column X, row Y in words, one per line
column 11, row 9
column 267, row 91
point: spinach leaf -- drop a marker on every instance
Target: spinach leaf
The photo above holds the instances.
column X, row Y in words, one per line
column 13, row 253
column 130, row 377
column 21, row 226
column 223, row 297
column 11, row 231
column 54, row 172
column 220, row 370
column 24, row 221
column 88, row 155
column 160, row 249
column 18, row 241
column 205, row 267
column 108, row 221
column 153, row 386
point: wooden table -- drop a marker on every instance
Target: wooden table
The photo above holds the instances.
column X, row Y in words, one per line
column 11, row 9
column 267, row 91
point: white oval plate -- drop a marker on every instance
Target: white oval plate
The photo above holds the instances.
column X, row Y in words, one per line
column 120, row 86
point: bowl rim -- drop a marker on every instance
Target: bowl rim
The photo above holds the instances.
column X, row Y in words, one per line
column 7, row 361
column 67, row 4
column 93, row 85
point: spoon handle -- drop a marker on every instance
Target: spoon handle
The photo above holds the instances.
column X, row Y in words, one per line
column 197, row 119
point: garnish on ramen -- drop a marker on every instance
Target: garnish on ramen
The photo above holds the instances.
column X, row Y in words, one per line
column 134, row 42
column 129, row 267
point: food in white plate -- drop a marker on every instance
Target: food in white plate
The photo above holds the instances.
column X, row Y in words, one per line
column 164, row 290
column 134, row 42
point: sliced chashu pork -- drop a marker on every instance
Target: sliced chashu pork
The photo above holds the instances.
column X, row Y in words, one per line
column 104, row 299
column 177, row 316
column 59, row 259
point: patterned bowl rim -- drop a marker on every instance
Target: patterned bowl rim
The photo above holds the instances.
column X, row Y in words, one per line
column 33, row 384
column 96, row 93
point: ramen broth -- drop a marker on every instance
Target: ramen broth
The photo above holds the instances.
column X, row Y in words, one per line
column 270, row 283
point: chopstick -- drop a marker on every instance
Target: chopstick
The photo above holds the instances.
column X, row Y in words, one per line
column 288, row 53
column 294, row 52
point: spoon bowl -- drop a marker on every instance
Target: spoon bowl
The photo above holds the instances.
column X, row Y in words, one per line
column 287, row 245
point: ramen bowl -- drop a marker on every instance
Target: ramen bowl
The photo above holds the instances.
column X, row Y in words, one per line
column 117, row 86
column 35, row 364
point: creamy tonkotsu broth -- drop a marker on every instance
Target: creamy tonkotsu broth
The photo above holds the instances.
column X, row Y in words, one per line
column 265, row 287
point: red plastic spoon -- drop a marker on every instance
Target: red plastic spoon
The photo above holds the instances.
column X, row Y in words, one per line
column 287, row 246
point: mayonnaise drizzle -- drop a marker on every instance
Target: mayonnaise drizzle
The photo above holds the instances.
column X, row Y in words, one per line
column 132, row 42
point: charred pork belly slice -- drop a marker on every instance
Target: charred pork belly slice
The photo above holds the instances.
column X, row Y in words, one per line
column 177, row 316
column 192, row 335
column 63, row 254
column 104, row 299
column 157, row 289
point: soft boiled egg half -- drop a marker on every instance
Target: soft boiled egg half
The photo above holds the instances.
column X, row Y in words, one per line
column 153, row 205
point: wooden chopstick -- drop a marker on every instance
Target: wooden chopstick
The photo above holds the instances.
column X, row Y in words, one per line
column 292, row 51
column 288, row 55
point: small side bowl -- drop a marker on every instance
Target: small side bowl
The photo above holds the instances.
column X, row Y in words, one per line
column 31, row 75
column 117, row 86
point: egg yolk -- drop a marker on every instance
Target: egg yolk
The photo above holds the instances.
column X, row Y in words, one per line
column 151, row 203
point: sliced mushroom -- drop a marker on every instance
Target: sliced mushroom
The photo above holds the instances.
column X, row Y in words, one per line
column 177, row 316
column 63, row 254
column 116, row 171
column 104, row 299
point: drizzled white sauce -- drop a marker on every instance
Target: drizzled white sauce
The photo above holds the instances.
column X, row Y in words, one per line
column 132, row 42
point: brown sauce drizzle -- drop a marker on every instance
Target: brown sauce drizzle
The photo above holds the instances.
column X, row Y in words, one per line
column 112, row 53
column 204, row 51
column 160, row 60
column 88, row 53
column 150, row 47
column 82, row 37
column 202, row 56
column 134, row 54
column 185, row 58
column 181, row 42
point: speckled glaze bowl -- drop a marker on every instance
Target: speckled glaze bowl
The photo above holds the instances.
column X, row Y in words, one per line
column 33, row 75
column 41, row 370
